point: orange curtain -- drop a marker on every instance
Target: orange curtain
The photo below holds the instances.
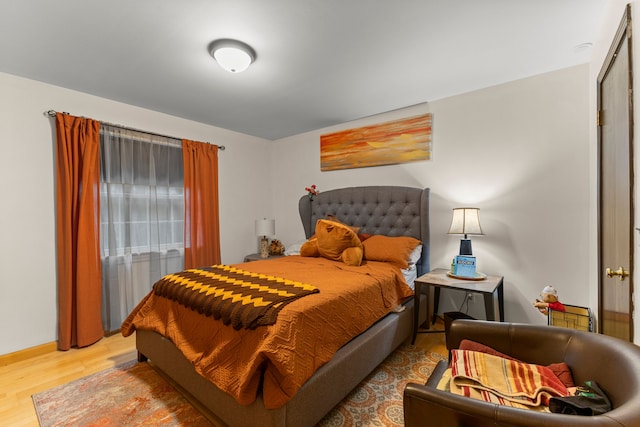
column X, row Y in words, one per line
column 78, row 231
column 201, row 222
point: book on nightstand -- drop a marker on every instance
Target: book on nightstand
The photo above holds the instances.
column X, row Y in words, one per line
column 465, row 266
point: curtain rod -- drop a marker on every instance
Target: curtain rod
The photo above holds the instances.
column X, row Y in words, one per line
column 52, row 113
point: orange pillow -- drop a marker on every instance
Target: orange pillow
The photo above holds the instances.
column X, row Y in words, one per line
column 364, row 236
column 395, row 250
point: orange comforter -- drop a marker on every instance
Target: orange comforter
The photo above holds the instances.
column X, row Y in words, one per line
column 306, row 335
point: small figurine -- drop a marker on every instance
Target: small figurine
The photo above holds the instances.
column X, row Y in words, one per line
column 276, row 247
column 549, row 301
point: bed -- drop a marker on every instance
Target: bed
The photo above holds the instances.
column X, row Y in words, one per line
column 378, row 211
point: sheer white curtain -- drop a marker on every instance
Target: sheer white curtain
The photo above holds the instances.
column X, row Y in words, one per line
column 141, row 216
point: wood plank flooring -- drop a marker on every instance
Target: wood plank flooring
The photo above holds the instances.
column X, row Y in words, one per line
column 21, row 379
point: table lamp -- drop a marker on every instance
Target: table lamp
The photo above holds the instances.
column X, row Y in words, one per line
column 265, row 227
column 465, row 221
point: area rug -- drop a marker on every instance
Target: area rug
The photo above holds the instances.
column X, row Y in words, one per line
column 377, row 401
column 132, row 394
column 135, row 394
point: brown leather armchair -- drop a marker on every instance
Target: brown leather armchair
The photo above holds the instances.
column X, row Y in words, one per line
column 614, row 364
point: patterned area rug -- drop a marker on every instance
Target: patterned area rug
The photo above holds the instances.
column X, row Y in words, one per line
column 134, row 394
column 377, row 401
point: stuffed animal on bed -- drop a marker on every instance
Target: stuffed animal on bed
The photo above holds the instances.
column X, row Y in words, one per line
column 335, row 241
column 549, row 301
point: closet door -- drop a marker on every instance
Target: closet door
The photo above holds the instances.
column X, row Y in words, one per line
column 615, row 156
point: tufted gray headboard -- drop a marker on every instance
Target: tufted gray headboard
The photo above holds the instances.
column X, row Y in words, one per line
column 387, row 210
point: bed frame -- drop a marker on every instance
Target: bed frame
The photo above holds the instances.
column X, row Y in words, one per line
column 388, row 210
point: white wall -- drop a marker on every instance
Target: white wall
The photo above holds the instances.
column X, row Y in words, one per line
column 518, row 151
column 27, row 171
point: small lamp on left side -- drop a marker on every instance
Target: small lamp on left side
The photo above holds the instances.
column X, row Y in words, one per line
column 264, row 228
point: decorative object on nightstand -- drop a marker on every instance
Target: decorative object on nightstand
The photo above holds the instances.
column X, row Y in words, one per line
column 276, row 248
column 463, row 266
column 264, row 228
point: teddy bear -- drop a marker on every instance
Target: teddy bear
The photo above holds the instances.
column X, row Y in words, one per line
column 335, row 241
column 549, row 301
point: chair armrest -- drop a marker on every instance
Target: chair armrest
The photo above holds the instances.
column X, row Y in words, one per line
column 437, row 373
column 493, row 334
column 529, row 343
column 440, row 408
column 425, row 405
column 426, row 402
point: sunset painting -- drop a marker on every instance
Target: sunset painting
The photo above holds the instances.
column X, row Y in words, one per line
column 398, row 141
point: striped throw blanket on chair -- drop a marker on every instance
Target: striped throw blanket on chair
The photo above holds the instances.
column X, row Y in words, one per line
column 506, row 382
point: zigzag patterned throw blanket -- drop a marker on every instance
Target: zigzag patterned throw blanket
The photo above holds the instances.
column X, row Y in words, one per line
column 241, row 298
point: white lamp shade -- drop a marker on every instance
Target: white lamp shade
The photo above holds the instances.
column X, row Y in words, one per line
column 265, row 227
column 465, row 221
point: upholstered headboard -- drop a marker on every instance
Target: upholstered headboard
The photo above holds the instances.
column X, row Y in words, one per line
column 387, row 210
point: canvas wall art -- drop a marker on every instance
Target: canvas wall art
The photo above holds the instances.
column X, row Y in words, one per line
column 398, row 141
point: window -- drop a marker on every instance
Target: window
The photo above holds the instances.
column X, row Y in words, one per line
column 141, row 216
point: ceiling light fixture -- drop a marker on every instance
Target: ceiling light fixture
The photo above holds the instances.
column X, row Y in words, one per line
column 232, row 55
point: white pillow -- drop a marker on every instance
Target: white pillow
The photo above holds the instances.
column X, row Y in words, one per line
column 410, row 274
column 414, row 256
column 293, row 249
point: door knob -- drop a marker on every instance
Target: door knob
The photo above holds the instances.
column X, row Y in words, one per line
column 620, row 272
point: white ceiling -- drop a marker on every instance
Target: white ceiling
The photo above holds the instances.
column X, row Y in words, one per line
column 319, row 62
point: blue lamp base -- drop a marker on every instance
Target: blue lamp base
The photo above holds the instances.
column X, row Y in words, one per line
column 465, row 247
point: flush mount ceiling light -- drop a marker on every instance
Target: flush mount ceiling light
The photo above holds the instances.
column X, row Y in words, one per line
column 232, row 55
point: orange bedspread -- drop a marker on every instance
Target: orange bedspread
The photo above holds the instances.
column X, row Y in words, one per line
column 306, row 335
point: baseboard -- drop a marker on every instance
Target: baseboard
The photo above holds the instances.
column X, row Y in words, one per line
column 28, row 353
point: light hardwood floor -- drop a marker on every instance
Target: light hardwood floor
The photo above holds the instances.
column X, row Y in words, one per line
column 19, row 380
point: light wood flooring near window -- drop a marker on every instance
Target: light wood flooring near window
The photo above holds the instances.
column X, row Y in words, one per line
column 19, row 380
